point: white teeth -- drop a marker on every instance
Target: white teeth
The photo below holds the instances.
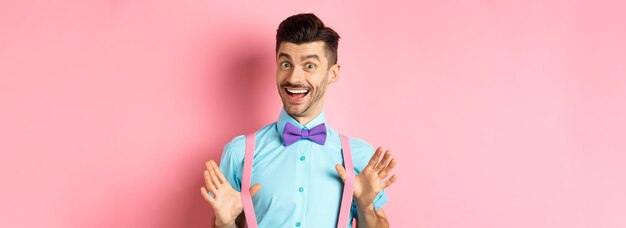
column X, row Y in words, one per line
column 297, row 90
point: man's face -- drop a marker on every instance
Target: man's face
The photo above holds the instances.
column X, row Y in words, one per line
column 302, row 76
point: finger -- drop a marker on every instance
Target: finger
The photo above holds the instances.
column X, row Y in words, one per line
column 213, row 177
column 390, row 181
column 208, row 182
column 254, row 189
column 220, row 174
column 217, row 172
column 383, row 163
column 207, row 165
column 341, row 171
column 207, row 197
column 387, row 169
column 375, row 158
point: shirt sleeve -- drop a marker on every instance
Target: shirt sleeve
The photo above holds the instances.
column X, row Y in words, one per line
column 231, row 163
column 361, row 154
column 379, row 202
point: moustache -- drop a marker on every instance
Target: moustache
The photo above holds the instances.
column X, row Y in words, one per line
column 295, row 86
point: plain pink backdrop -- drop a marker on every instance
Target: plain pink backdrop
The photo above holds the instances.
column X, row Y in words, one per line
column 500, row 113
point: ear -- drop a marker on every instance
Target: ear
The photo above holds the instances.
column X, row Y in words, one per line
column 334, row 73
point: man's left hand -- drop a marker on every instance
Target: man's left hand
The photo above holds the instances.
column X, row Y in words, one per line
column 370, row 182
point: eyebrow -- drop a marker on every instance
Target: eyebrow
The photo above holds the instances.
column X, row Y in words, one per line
column 282, row 54
column 310, row 57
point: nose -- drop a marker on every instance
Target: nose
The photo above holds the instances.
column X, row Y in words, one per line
column 296, row 76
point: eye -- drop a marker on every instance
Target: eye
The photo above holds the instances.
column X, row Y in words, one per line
column 285, row 65
column 310, row 66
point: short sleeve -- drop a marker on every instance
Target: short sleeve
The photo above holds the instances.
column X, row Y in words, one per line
column 380, row 200
column 361, row 154
column 231, row 163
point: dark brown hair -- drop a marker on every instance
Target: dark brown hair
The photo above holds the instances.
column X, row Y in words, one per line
column 306, row 27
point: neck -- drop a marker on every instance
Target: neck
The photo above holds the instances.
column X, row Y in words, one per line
column 303, row 120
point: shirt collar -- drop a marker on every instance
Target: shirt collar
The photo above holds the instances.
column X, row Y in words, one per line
column 283, row 118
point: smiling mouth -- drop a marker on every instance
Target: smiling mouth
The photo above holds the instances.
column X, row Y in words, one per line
column 296, row 94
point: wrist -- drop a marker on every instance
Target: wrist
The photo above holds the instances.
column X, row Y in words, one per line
column 362, row 203
column 366, row 208
column 221, row 224
column 227, row 225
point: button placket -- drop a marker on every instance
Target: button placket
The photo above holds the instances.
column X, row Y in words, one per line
column 303, row 158
column 302, row 176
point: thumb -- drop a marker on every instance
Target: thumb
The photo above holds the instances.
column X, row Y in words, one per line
column 254, row 189
column 341, row 171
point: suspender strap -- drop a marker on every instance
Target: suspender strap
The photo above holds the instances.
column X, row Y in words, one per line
column 346, row 197
column 248, row 209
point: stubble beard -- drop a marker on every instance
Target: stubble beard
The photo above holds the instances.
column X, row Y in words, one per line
column 317, row 94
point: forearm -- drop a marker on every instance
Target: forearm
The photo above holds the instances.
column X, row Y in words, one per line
column 229, row 225
column 240, row 222
column 369, row 219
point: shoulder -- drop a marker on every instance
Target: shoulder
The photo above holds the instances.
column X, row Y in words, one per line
column 361, row 152
column 235, row 149
column 359, row 145
column 237, row 142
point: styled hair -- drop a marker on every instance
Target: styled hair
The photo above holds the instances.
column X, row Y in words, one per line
column 306, row 27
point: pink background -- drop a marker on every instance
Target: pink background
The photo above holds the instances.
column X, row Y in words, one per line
column 501, row 114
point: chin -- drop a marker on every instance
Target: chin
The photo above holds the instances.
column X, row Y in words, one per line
column 295, row 110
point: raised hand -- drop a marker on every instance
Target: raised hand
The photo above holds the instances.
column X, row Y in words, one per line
column 226, row 201
column 370, row 181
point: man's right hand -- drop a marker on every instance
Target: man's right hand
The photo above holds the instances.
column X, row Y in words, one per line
column 226, row 201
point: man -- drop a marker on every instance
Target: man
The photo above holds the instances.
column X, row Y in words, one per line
column 299, row 182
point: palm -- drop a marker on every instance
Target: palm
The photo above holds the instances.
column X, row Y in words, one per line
column 226, row 201
column 367, row 185
column 227, row 204
column 369, row 182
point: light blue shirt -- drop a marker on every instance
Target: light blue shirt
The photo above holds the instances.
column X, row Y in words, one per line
column 300, row 186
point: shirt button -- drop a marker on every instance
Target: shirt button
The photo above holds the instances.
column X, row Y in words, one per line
column 301, row 189
column 298, row 224
column 302, row 158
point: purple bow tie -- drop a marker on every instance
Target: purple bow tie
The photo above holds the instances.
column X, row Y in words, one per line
column 291, row 134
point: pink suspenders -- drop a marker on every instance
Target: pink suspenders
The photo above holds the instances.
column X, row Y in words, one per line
column 346, row 197
column 248, row 157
